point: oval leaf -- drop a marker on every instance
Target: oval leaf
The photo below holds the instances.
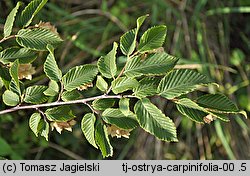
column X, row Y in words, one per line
column 24, row 55
column 70, row 95
column 34, row 123
column 59, row 114
column 179, row 82
column 154, row 64
column 128, row 42
column 78, row 76
column 10, row 98
column 102, row 140
column 153, row 38
column 88, row 128
column 51, row 68
column 107, row 64
column 123, row 84
column 14, row 72
column 34, row 94
column 102, row 104
column 147, row 87
column 152, row 120
column 30, row 11
column 10, row 20
column 217, row 103
column 117, row 118
column 101, row 84
column 37, row 38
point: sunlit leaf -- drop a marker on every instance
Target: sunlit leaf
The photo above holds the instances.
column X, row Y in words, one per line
column 154, row 64
column 30, row 11
column 116, row 117
column 107, row 64
column 153, row 38
column 59, row 114
column 179, row 82
column 102, row 140
column 34, row 123
column 101, row 84
column 35, row 95
column 10, row 98
column 51, row 68
column 24, row 55
column 152, row 120
column 123, row 84
column 79, row 75
column 37, row 38
column 102, row 104
column 88, row 128
column 10, row 20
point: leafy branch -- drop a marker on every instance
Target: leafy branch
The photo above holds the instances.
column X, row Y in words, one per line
column 81, row 101
column 148, row 71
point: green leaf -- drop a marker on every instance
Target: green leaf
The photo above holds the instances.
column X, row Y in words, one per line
column 79, row 75
column 51, row 68
column 152, row 120
column 217, row 103
column 154, row 64
column 147, row 87
column 5, row 75
column 14, row 72
column 123, row 84
column 24, row 55
column 15, row 88
column 128, row 42
column 179, row 82
column 124, row 106
column 37, row 38
column 45, row 130
column 101, row 84
column 88, row 128
column 191, row 110
column 107, row 64
column 10, row 98
column 59, row 114
column 117, row 118
column 140, row 21
column 30, row 11
column 52, row 90
column 102, row 140
column 195, row 112
column 102, row 104
column 10, row 20
column 153, row 38
column 35, row 95
column 34, row 123
column 70, row 95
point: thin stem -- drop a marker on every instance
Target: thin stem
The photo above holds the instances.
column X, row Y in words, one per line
column 7, row 38
column 64, row 103
column 122, row 71
column 61, row 91
column 90, row 107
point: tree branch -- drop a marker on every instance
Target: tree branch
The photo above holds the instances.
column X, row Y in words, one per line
column 7, row 38
column 63, row 103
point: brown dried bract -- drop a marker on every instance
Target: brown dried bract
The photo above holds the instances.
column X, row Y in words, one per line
column 59, row 126
column 208, row 119
column 115, row 131
column 25, row 71
column 85, row 86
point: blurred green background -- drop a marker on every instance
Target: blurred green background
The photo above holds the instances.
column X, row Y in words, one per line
column 211, row 36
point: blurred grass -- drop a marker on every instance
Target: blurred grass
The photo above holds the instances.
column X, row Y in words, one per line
column 211, row 36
